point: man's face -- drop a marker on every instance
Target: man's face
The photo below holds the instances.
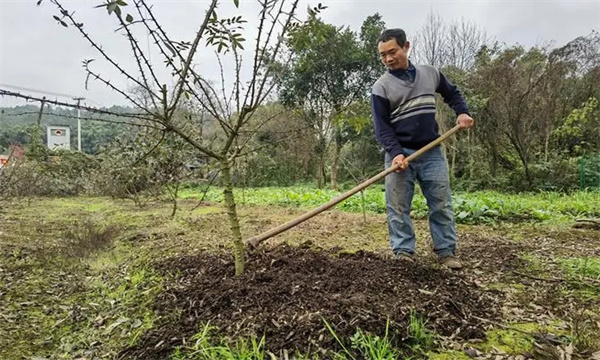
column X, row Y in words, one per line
column 392, row 55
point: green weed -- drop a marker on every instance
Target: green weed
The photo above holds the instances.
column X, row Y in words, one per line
column 204, row 347
column 420, row 338
column 366, row 346
column 581, row 267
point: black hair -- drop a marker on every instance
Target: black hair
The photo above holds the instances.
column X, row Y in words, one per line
column 390, row 34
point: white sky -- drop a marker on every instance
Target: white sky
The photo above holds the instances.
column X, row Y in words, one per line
column 37, row 53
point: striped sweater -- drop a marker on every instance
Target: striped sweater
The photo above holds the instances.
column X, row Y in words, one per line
column 403, row 107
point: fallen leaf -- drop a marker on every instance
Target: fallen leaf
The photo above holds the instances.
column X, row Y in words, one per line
column 136, row 324
column 112, row 326
column 426, row 292
column 472, row 353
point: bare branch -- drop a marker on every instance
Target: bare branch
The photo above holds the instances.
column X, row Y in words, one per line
column 160, row 141
column 207, row 107
column 257, row 50
column 238, row 82
column 179, row 88
column 205, row 86
column 111, row 86
column 227, row 113
column 79, row 26
column 139, row 54
column 259, row 57
column 260, row 96
column 155, row 33
column 193, row 142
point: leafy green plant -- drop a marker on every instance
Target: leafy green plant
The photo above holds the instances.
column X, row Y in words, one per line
column 365, row 345
column 374, row 347
column 420, row 338
column 204, row 347
column 482, row 207
column 581, row 267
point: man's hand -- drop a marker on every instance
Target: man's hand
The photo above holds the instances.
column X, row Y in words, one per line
column 400, row 160
column 465, row 121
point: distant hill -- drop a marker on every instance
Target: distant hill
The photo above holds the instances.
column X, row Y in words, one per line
column 16, row 125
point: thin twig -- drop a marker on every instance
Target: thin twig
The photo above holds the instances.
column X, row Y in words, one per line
column 206, row 190
column 95, row 45
column 103, row 120
column 162, row 138
column 138, row 53
column 114, row 88
column 179, row 88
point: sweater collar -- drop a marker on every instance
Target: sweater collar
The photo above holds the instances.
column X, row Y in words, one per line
column 400, row 72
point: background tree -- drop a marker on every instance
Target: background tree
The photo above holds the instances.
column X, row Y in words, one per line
column 330, row 69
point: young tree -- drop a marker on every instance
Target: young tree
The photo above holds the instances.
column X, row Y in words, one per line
column 231, row 107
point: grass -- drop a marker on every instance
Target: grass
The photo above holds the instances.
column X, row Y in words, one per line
column 364, row 345
column 509, row 341
column 420, row 338
column 203, row 346
column 448, row 355
column 70, row 288
column 581, row 267
column 581, row 272
column 479, row 207
column 206, row 346
column 79, row 310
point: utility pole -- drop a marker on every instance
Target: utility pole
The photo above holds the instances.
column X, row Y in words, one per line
column 36, row 142
column 78, row 123
column 39, row 120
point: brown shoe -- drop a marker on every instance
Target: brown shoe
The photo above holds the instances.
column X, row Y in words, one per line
column 451, row 262
column 405, row 257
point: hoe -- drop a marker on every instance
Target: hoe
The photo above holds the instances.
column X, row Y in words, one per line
column 253, row 242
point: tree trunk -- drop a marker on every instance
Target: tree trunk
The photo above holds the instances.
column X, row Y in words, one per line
column 321, row 172
column 494, row 163
column 335, row 166
column 174, row 193
column 546, row 146
column 525, row 163
column 528, row 174
column 522, row 151
column 240, row 248
column 321, row 149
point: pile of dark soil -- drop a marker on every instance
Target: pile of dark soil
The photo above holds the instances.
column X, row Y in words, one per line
column 286, row 294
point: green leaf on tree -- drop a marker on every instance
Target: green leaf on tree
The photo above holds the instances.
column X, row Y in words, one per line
column 111, row 7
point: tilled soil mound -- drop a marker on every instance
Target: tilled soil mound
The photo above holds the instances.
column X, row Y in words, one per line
column 286, row 293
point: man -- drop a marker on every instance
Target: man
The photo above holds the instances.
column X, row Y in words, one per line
column 403, row 107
